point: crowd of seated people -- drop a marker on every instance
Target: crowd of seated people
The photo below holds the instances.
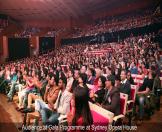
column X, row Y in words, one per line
column 28, row 32
column 31, row 31
column 3, row 24
column 54, row 32
column 113, row 24
column 59, row 82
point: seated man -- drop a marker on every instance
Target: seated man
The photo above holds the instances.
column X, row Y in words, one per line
column 111, row 99
column 16, row 85
column 50, row 95
column 61, row 107
column 143, row 91
column 125, row 84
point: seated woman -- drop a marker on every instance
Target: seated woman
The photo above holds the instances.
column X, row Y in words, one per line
column 81, row 116
column 35, row 94
column 82, row 81
column 97, row 97
column 29, row 87
column 129, row 78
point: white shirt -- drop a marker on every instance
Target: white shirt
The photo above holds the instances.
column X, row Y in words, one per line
column 69, row 83
column 123, row 82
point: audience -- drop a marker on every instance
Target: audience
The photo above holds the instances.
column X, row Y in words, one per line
column 62, row 81
column 129, row 78
column 99, row 94
column 113, row 24
column 125, row 84
column 111, row 99
column 144, row 91
column 82, row 114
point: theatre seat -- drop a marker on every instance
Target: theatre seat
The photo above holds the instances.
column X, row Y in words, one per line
column 132, row 98
column 100, row 115
column 123, row 106
column 131, row 102
column 138, row 79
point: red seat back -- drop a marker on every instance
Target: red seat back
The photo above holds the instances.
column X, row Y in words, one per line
column 123, row 103
column 133, row 92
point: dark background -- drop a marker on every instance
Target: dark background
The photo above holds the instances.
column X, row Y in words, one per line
column 46, row 43
column 18, row 48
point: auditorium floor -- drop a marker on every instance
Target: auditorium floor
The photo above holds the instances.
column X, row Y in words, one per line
column 10, row 118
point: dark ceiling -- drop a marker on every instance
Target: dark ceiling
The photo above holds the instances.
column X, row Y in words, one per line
column 23, row 10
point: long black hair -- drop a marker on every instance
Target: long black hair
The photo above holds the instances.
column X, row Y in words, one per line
column 82, row 108
column 103, row 80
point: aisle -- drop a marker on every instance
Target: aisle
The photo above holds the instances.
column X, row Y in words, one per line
column 154, row 124
column 9, row 117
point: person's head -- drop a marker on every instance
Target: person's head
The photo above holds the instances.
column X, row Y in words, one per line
column 123, row 75
column 25, row 72
column 33, row 73
column 128, row 75
column 133, row 64
column 81, row 96
column 62, row 83
column 90, row 72
column 76, row 74
column 117, row 80
column 82, row 78
column 110, row 81
column 101, row 82
column 98, row 72
column 83, row 69
column 52, row 80
column 152, row 71
column 59, row 68
column 142, row 65
column 70, row 73
column 108, row 71
column 19, row 74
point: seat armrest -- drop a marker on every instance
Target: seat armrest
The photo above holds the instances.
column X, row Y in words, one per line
column 62, row 117
column 118, row 117
column 130, row 101
column 95, row 95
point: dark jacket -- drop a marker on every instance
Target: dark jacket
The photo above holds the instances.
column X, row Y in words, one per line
column 74, row 85
column 112, row 101
column 100, row 95
column 126, row 88
column 131, row 81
